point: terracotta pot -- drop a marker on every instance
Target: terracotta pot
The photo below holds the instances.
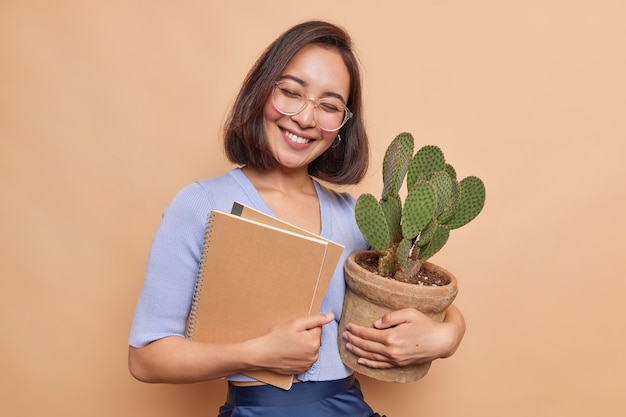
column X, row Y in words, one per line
column 370, row 296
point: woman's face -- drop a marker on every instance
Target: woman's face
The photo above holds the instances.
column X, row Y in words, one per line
column 295, row 141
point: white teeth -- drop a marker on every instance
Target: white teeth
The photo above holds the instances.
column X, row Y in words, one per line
column 296, row 138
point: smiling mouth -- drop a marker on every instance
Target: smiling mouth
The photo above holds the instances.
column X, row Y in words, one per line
column 297, row 139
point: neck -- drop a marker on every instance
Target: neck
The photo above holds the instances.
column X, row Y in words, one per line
column 286, row 180
column 290, row 195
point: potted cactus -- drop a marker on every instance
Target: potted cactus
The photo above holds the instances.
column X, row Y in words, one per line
column 395, row 273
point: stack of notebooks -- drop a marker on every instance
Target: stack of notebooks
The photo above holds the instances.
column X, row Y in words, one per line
column 263, row 271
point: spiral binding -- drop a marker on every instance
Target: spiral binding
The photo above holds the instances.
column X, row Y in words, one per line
column 193, row 313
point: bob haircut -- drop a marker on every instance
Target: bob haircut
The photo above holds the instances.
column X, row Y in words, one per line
column 245, row 142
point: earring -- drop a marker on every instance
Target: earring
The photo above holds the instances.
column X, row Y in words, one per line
column 337, row 140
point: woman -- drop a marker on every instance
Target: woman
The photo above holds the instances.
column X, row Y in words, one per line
column 297, row 116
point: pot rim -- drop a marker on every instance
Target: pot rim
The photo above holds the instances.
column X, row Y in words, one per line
column 375, row 280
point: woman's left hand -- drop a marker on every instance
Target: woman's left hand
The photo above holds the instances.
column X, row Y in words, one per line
column 405, row 337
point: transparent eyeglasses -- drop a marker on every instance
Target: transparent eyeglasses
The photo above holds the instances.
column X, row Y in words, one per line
column 290, row 98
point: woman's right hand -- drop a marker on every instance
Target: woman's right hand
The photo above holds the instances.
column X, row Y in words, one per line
column 292, row 347
column 288, row 348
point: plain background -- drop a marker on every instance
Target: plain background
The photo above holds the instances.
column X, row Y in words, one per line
column 107, row 109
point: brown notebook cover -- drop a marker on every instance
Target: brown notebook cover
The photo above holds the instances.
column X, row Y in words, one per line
column 260, row 275
column 332, row 254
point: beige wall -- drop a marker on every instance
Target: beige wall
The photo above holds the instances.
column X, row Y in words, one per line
column 108, row 108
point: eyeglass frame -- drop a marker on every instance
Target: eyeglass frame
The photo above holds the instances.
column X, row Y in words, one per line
column 316, row 102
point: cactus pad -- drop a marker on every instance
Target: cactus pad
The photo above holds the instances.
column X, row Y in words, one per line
column 471, row 202
column 372, row 223
column 419, row 208
column 396, row 163
column 439, row 239
column 427, row 160
column 392, row 208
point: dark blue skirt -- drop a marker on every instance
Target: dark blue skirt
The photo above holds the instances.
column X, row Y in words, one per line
column 305, row 399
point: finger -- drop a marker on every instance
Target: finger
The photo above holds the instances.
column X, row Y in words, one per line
column 383, row 358
column 314, row 320
column 395, row 318
column 370, row 359
column 375, row 364
column 367, row 354
column 365, row 333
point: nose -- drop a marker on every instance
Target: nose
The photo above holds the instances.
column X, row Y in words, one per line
column 306, row 116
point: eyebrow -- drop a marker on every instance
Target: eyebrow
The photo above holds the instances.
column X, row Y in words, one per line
column 305, row 84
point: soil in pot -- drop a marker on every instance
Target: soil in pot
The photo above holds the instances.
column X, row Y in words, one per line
column 425, row 276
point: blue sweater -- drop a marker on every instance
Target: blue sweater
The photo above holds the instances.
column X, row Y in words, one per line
column 170, row 278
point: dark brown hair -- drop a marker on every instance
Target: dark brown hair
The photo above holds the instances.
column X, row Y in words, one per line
column 244, row 136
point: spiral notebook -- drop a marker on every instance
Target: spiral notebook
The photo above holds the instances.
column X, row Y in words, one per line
column 253, row 276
